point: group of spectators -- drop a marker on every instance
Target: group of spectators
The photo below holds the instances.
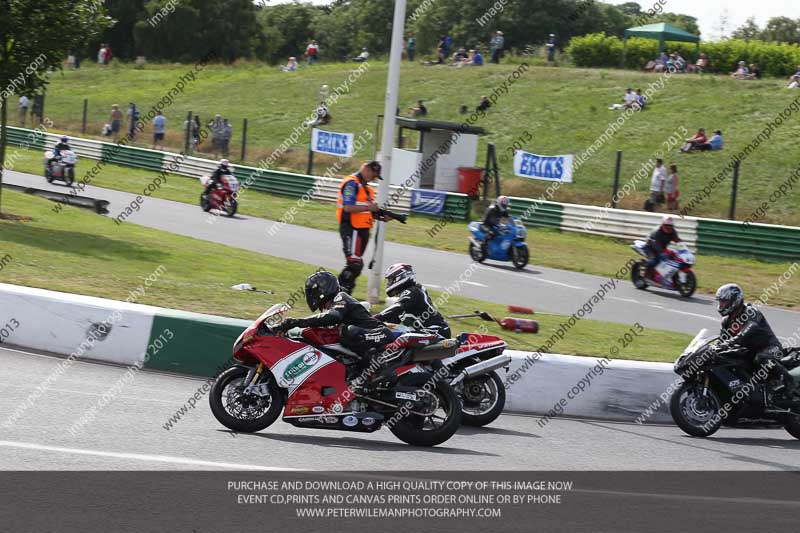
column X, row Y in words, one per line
column 632, row 100
column 663, row 187
column 104, row 55
column 221, row 134
column 676, row 64
column 746, row 72
column 463, row 57
column 702, row 143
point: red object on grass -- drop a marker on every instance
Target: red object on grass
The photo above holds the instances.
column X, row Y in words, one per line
column 520, row 310
column 520, row 324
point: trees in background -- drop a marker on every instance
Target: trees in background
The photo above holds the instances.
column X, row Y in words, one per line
column 35, row 38
column 186, row 30
column 778, row 29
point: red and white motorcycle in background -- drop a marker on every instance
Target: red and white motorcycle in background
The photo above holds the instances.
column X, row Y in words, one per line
column 673, row 271
column 222, row 197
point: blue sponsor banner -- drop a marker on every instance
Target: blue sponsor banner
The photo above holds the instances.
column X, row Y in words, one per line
column 330, row 142
column 428, row 202
column 543, row 167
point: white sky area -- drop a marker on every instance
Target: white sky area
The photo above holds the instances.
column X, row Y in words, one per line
column 708, row 12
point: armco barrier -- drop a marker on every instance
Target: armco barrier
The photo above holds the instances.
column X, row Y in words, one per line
column 200, row 345
column 317, row 188
column 732, row 238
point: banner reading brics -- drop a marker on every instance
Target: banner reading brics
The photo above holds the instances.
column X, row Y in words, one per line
column 331, row 142
column 543, row 167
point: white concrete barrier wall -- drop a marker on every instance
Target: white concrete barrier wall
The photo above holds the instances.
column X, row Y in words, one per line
column 61, row 323
column 623, row 391
column 64, row 324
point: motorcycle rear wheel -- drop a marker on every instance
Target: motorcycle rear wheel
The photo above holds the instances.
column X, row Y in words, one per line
column 520, row 256
column 483, row 400
column 694, row 414
column 247, row 413
column 476, row 253
column 445, row 420
column 688, row 287
column 638, row 275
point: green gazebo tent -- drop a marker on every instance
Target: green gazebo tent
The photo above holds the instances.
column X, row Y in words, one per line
column 662, row 32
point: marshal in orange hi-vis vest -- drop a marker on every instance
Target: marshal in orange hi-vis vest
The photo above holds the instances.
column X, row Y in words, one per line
column 363, row 197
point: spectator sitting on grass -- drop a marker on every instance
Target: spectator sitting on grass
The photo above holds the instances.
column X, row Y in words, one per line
column 741, row 72
column 679, row 62
column 629, row 100
column 794, row 81
column 641, row 99
column 755, row 72
column 459, row 58
column 484, row 104
column 475, row 59
column 291, row 66
column 714, row 143
column 418, row 110
column 694, row 143
column 363, row 56
column 702, row 64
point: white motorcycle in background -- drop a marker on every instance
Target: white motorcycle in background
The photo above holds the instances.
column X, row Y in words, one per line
column 673, row 271
column 60, row 168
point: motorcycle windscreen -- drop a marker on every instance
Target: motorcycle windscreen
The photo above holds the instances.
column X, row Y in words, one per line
column 699, row 340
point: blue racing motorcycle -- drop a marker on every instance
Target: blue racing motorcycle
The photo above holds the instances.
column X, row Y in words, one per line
column 508, row 245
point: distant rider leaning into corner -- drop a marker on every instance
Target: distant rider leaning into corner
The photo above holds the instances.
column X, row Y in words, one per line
column 414, row 307
column 359, row 331
column 744, row 325
column 355, row 206
column 224, row 169
column 659, row 240
column 493, row 218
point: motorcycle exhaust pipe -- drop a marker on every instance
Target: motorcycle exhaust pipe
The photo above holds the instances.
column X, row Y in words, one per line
column 484, row 367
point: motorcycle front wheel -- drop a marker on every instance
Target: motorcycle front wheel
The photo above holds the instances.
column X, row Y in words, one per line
column 48, row 175
column 441, row 419
column 696, row 414
column 241, row 411
column 793, row 426
column 520, row 256
column 483, row 399
column 231, row 206
column 205, row 203
column 688, row 287
column 639, row 275
column 69, row 176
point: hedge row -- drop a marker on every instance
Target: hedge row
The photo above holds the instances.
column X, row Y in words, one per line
column 601, row 50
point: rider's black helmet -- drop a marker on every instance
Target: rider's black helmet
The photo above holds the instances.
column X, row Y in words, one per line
column 398, row 277
column 729, row 298
column 320, row 288
column 64, row 139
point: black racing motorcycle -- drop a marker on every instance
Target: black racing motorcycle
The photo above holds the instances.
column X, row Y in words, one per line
column 721, row 386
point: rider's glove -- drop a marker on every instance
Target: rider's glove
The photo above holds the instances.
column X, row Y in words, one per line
column 287, row 324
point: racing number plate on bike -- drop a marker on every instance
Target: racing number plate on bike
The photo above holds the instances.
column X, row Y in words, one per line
column 406, row 396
